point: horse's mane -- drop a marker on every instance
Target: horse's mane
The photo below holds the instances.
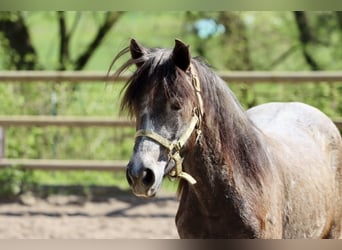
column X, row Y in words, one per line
column 237, row 138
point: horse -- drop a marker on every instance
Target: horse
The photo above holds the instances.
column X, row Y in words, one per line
column 273, row 171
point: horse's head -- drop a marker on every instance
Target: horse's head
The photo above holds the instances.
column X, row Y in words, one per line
column 164, row 96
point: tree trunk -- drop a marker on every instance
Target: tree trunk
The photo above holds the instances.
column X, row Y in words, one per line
column 306, row 38
column 63, row 41
column 339, row 19
column 18, row 41
column 235, row 38
column 110, row 20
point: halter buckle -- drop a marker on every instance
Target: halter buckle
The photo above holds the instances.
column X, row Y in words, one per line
column 174, row 148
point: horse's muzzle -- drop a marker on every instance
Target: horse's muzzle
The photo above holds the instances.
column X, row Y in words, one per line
column 140, row 180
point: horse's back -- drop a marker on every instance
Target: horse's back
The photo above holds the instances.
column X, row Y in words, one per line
column 307, row 152
column 292, row 117
column 298, row 123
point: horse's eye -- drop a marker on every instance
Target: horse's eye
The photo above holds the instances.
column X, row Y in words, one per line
column 176, row 106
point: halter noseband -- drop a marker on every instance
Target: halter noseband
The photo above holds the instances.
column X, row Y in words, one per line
column 174, row 147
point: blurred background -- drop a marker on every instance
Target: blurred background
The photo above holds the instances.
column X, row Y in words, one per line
column 88, row 41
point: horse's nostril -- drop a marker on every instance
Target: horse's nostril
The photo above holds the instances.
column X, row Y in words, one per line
column 148, row 177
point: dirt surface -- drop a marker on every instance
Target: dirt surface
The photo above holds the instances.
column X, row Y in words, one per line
column 75, row 217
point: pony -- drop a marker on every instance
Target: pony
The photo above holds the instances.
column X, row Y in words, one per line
column 273, row 171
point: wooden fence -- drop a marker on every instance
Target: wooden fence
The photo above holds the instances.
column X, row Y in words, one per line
column 60, row 121
column 23, row 77
column 250, row 77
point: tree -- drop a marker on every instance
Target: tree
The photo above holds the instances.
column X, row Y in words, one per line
column 339, row 19
column 23, row 56
column 236, row 39
column 227, row 31
column 306, row 38
column 109, row 20
column 17, row 41
column 21, row 53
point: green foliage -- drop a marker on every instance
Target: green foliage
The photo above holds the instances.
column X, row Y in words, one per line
column 14, row 181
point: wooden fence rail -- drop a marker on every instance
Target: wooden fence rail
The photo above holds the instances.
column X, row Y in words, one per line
column 64, row 121
column 74, row 121
column 61, row 165
column 23, row 77
column 237, row 76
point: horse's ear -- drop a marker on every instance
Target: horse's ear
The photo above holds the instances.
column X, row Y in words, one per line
column 181, row 55
column 137, row 51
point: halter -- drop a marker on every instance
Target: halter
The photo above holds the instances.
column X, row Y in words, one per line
column 174, row 147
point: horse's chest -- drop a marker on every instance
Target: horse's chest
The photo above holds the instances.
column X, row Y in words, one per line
column 193, row 223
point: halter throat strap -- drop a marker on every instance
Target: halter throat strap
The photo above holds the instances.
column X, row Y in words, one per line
column 174, row 147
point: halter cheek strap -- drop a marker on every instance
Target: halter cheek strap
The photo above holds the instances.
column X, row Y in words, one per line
column 174, row 147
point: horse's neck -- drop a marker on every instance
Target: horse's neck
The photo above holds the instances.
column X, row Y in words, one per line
column 226, row 161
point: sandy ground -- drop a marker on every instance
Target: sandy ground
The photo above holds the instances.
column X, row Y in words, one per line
column 73, row 217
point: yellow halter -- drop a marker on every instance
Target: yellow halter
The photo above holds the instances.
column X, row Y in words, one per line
column 174, row 147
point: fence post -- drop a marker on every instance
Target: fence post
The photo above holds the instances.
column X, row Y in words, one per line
column 2, row 143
